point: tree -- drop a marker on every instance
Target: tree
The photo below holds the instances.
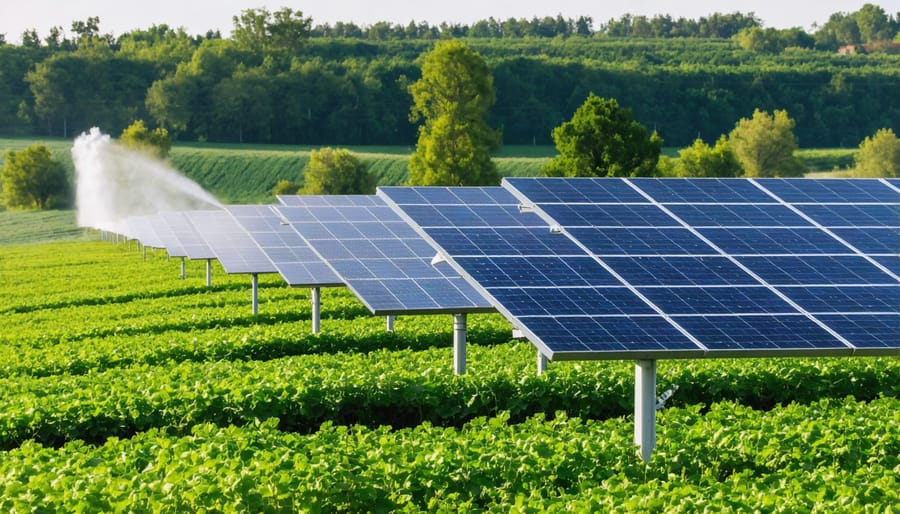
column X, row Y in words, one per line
column 700, row 160
column 603, row 140
column 156, row 142
column 453, row 97
column 336, row 172
column 259, row 30
column 765, row 145
column 31, row 178
column 879, row 155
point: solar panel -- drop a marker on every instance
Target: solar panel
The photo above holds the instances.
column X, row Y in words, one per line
column 188, row 242
column 233, row 247
column 716, row 267
column 384, row 261
column 568, row 303
column 292, row 257
column 170, row 240
column 146, row 231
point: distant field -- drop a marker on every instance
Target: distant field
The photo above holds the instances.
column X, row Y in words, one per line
column 37, row 227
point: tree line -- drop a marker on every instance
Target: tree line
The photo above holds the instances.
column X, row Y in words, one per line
column 282, row 79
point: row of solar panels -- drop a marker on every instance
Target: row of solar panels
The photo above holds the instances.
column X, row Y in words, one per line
column 593, row 268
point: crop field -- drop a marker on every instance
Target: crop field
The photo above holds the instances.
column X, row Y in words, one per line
column 125, row 388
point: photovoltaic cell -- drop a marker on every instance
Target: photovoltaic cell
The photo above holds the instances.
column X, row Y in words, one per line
column 848, row 215
column 379, row 256
column 710, row 190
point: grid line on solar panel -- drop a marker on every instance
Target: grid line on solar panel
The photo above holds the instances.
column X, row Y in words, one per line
column 379, row 256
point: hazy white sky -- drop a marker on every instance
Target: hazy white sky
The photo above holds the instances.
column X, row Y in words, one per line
column 198, row 16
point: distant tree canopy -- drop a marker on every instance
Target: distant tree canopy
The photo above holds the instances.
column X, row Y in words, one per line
column 603, row 140
column 156, row 142
column 31, row 178
column 336, row 172
column 879, row 155
column 765, row 145
column 453, row 97
column 281, row 79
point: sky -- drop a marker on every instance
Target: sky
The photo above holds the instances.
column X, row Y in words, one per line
column 199, row 16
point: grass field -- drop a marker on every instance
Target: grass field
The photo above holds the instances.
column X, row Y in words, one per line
column 127, row 388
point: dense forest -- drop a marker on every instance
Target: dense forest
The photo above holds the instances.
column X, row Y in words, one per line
column 280, row 78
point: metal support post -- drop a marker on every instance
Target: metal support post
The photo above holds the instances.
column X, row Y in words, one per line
column 459, row 344
column 208, row 272
column 316, row 308
column 389, row 322
column 541, row 363
column 182, row 269
column 645, row 407
column 144, row 250
column 254, row 280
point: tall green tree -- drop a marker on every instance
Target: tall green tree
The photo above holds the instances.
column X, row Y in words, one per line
column 31, row 178
column 879, row 155
column 336, row 172
column 765, row 145
column 603, row 140
column 453, row 98
column 701, row 160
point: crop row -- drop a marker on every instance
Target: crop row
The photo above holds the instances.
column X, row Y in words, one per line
column 399, row 388
column 242, row 337
column 829, row 456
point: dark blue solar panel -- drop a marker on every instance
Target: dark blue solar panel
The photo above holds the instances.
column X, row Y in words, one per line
column 872, row 240
column 575, row 190
column 762, row 333
column 866, row 331
column 804, row 190
column 641, row 241
column 740, row 241
column 760, row 215
column 711, row 190
column 233, row 246
column 816, row 270
column 679, row 271
column 366, row 242
column 294, row 260
column 716, row 300
column 599, row 215
column 842, row 215
column 846, row 299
